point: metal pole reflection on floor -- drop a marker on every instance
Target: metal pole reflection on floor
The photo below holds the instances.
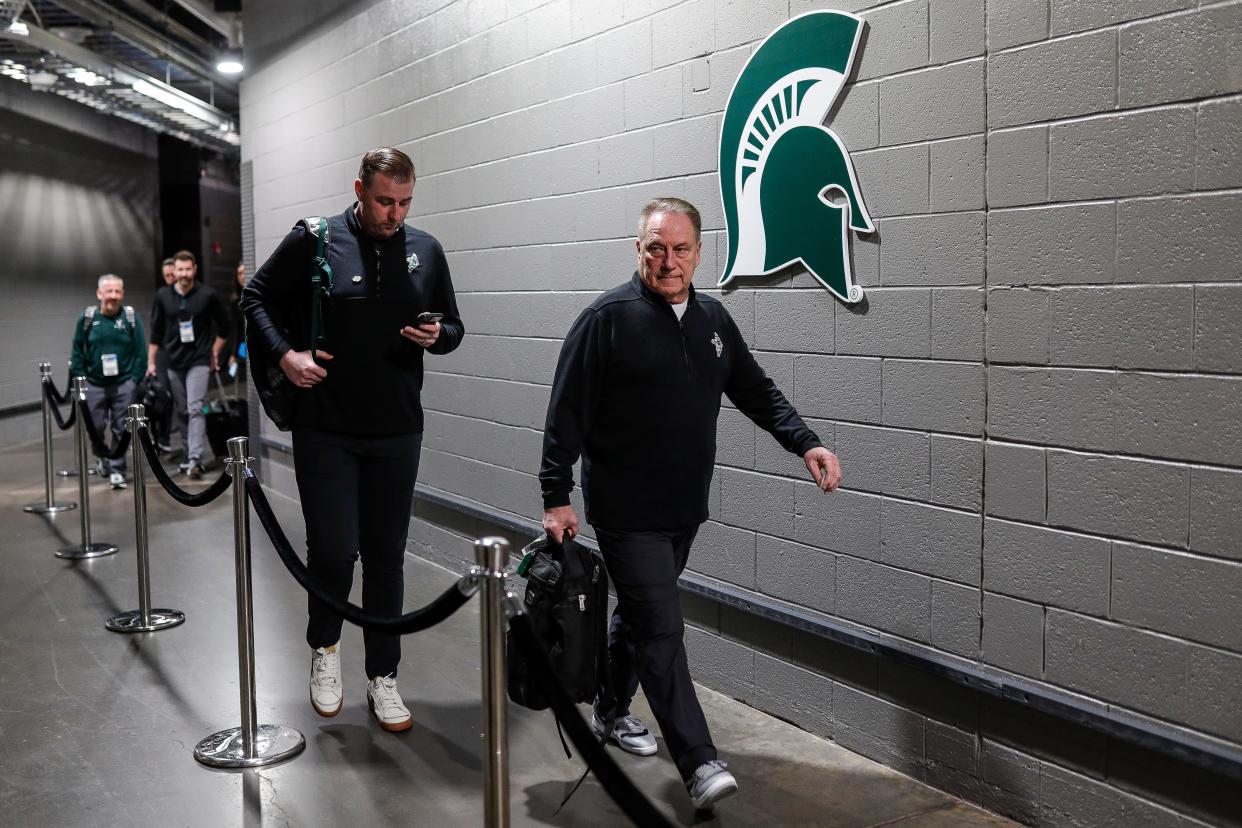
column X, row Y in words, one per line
column 143, row 619
column 49, row 505
column 88, row 548
column 252, row 744
column 491, row 554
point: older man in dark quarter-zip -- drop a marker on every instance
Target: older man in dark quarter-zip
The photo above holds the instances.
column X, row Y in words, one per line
column 636, row 394
column 358, row 419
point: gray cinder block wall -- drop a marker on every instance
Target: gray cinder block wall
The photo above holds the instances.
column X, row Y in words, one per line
column 1037, row 408
column 79, row 197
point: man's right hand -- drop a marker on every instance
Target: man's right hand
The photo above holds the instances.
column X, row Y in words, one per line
column 150, row 369
column 560, row 521
column 301, row 369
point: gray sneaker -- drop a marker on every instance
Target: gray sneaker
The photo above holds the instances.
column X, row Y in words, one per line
column 711, row 783
column 628, row 733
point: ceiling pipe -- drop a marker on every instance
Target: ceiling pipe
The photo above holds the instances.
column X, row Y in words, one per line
column 106, row 67
column 134, row 32
column 162, row 22
column 227, row 24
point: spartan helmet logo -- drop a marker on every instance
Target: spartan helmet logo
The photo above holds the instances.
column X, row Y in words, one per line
column 788, row 186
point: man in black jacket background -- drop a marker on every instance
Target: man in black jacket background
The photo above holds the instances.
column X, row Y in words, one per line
column 358, row 420
column 637, row 393
column 190, row 324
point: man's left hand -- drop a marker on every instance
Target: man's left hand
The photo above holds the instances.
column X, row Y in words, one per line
column 424, row 335
column 215, row 362
column 823, row 466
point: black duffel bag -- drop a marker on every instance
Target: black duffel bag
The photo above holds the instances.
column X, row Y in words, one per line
column 567, row 603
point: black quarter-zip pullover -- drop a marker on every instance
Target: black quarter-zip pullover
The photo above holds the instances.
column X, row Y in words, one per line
column 637, row 394
column 374, row 381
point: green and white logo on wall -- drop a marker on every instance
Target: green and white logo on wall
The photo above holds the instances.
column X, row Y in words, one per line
column 789, row 189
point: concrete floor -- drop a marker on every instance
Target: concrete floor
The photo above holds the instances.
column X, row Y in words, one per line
column 98, row 728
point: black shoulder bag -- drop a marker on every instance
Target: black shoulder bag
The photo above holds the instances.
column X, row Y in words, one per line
column 277, row 393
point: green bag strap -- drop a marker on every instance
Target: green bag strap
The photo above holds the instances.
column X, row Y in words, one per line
column 321, row 279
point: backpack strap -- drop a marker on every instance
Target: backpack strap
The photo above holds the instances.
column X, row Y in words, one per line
column 321, row 278
column 130, row 316
column 88, row 316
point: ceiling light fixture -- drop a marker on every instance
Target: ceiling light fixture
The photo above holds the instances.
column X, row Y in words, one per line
column 169, row 98
column 230, row 62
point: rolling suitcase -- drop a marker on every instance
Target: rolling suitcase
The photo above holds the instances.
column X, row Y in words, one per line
column 226, row 417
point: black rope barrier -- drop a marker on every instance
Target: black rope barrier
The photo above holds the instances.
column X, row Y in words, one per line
column 420, row 619
column 616, row 784
column 219, row 487
column 61, row 397
column 62, row 422
column 97, row 441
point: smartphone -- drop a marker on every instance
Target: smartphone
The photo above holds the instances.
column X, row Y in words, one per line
column 427, row 317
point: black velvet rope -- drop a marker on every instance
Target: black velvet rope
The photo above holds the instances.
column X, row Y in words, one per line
column 63, row 423
column 97, row 441
column 179, row 494
column 61, row 397
column 420, row 619
column 616, row 784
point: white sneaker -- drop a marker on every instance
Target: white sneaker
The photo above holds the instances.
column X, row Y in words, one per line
column 711, row 783
column 628, row 733
column 325, row 681
column 386, row 704
column 117, row 480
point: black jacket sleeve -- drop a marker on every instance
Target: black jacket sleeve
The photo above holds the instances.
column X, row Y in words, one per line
column 271, row 292
column 158, row 320
column 445, row 301
column 571, row 406
column 756, row 396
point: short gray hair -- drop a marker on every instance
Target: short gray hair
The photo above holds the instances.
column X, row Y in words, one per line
column 670, row 204
column 109, row 277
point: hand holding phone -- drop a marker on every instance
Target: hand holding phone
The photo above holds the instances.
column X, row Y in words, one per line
column 416, row 332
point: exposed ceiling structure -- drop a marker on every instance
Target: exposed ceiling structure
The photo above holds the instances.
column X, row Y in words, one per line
column 152, row 62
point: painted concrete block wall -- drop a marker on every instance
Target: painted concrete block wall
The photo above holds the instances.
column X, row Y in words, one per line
column 1037, row 407
column 78, row 198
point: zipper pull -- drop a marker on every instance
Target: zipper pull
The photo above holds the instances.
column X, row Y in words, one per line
column 582, row 603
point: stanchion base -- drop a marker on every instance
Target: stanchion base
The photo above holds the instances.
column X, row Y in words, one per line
column 273, row 743
column 157, row 619
column 49, row 508
column 92, row 550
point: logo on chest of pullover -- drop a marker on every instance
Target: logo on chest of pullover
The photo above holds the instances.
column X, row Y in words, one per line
column 719, row 343
column 411, row 262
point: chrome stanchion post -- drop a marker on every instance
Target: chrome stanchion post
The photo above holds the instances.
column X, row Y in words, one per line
column 252, row 744
column 88, row 548
column 491, row 554
column 70, row 471
column 143, row 619
column 49, row 504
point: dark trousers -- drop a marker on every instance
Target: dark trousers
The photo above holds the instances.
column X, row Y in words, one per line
column 108, row 405
column 356, row 494
column 646, row 643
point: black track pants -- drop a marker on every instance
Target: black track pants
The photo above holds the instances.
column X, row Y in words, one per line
column 646, row 638
column 356, row 494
